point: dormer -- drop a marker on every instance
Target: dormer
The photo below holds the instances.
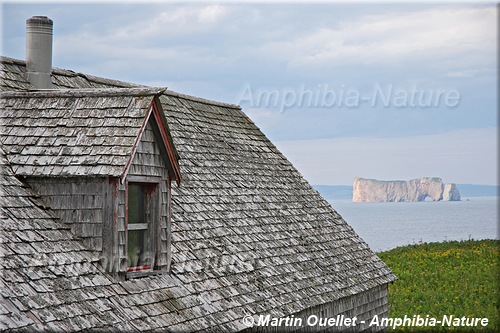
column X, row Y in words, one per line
column 104, row 161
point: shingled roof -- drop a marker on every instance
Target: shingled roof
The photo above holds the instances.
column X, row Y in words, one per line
column 76, row 132
column 249, row 234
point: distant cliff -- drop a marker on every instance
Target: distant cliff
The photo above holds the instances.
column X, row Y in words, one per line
column 371, row 190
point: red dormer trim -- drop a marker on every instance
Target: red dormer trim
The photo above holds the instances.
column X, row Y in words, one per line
column 160, row 120
column 173, row 156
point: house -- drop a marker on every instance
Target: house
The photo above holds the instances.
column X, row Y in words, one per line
column 133, row 208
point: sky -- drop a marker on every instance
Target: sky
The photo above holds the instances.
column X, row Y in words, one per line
column 389, row 91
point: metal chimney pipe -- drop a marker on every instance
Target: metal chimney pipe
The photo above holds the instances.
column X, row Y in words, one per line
column 39, row 51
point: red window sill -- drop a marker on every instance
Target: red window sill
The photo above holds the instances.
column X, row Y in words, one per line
column 138, row 268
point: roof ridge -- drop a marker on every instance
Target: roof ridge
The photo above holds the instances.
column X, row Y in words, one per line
column 92, row 92
column 96, row 79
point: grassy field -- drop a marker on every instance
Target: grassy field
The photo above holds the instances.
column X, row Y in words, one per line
column 449, row 278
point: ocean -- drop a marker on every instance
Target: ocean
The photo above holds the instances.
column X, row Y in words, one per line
column 387, row 225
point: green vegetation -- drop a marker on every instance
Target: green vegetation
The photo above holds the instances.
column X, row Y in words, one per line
column 450, row 278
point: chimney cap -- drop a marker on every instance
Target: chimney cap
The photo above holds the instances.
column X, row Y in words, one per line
column 40, row 19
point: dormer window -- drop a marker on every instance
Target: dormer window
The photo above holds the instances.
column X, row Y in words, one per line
column 112, row 184
column 143, row 222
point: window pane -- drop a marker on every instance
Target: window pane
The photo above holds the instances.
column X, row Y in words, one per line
column 138, row 253
column 136, row 203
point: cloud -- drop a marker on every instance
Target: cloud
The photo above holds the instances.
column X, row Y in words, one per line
column 174, row 22
column 257, row 40
column 152, row 25
column 213, row 13
column 431, row 34
column 162, row 40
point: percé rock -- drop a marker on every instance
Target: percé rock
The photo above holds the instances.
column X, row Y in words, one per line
column 372, row 190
